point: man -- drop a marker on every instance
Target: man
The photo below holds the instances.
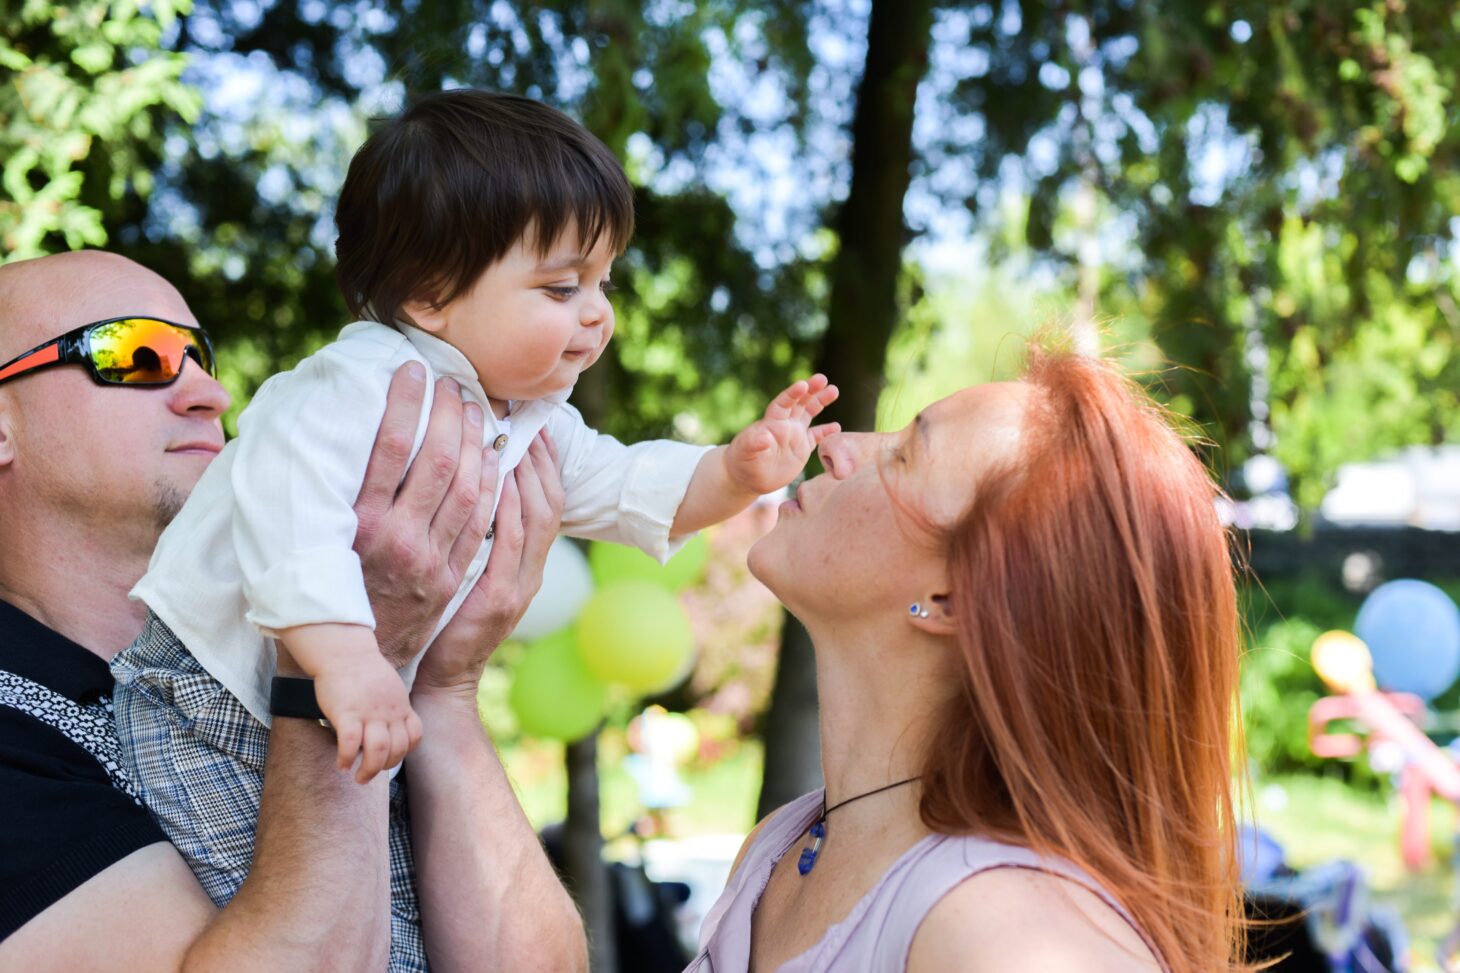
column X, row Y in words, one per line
column 90, row 473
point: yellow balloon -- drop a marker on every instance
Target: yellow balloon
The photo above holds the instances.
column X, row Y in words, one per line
column 636, row 634
column 1343, row 662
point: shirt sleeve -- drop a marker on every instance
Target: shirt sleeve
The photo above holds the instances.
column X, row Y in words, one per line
column 304, row 443
column 624, row 494
column 61, row 820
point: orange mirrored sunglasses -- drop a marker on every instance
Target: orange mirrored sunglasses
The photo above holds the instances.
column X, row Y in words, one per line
column 134, row 350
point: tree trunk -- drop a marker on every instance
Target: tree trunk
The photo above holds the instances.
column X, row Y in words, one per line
column 583, row 854
column 861, row 312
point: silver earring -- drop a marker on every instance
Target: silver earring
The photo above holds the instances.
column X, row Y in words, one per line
column 918, row 611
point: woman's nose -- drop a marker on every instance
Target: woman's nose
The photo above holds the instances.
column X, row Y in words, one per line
column 839, row 453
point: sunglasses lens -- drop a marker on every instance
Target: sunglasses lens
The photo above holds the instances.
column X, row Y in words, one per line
column 141, row 351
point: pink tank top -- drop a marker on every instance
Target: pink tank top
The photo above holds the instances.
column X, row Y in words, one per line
column 878, row 933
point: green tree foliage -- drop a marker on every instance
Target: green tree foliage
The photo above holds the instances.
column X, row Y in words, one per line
column 84, row 90
column 1280, row 193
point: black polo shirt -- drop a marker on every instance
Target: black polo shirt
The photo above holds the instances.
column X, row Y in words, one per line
column 61, row 820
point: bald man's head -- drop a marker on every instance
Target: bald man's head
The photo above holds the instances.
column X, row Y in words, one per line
column 48, row 296
column 86, row 463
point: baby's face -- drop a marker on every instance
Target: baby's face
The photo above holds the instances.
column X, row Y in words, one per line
column 530, row 325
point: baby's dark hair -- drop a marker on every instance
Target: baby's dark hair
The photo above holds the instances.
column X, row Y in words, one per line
column 442, row 191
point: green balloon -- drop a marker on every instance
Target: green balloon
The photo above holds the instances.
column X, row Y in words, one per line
column 552, row 694
column 636, row 634
column 614, row 562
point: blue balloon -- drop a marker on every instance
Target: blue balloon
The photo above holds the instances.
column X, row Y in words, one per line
column 1412, row 630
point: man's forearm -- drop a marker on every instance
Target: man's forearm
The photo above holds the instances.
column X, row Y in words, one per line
column 318, row 894
column 490, row 899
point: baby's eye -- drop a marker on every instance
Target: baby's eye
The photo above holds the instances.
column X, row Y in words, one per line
column 562, row 293
column 608, row 287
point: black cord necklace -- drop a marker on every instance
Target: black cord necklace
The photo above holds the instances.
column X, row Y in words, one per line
column 807, row 860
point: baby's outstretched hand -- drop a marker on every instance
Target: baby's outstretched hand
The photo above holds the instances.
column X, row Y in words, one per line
column 766, row 455
column 370, row 709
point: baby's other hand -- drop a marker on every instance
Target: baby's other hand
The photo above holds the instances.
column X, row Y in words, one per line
column 766, row 455
column 371, row 712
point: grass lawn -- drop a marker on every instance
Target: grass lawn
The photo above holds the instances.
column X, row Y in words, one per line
column 1320, row 819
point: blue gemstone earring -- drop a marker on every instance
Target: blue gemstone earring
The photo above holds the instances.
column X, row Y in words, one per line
column 916, row 610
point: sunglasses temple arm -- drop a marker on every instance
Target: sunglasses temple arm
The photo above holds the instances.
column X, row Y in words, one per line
column 46, row 355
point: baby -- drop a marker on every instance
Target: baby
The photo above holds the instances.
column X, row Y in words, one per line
column 476, row 237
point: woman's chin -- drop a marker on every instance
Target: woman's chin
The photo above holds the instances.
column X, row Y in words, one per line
column 762, row 558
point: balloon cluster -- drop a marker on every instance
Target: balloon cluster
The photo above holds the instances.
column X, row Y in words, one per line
column 1406, row 639
column 611, row 618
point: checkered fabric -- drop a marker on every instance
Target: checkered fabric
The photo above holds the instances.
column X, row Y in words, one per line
column 197, row 756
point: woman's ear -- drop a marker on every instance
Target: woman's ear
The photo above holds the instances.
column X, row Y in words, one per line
column 933, row 615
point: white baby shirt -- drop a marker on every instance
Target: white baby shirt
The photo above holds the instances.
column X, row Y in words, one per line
column 265, row 541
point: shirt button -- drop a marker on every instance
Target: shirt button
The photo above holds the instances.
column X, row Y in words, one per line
column 500, row 443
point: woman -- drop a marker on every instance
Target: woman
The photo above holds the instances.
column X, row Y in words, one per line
column 1026, row 633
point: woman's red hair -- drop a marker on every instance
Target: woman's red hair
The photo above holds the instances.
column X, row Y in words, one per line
column 1094, row 590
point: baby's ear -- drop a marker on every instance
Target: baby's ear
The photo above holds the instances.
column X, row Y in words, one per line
column 424, row 313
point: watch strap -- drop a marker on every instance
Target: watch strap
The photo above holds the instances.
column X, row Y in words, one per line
column 294, row 697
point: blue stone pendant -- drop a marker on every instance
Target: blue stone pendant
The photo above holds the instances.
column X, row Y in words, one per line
column 807, row 860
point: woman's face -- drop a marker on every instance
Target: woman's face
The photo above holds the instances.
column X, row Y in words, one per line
column 864, row 538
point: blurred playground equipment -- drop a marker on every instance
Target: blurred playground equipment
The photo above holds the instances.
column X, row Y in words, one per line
column 1316, row 921
column 1407, row 644
column 1404, row 652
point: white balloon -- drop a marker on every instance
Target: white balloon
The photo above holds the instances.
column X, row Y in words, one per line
column 566, row 585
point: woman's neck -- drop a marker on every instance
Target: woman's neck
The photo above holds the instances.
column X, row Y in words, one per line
column 880, row 693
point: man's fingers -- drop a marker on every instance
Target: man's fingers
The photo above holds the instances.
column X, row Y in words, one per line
column 552, row 480
column 539, row 517
column 552, row 447
column 503, row 560
column 392, row 450
column 349, row 734
column 461, row 498
column 431, row 474
column 469, row 539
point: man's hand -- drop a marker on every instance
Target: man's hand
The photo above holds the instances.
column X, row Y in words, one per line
column 528, row 518
column 767, row 454
column 416, row 538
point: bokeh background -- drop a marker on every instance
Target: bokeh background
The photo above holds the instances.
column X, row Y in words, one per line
column 1251, row 203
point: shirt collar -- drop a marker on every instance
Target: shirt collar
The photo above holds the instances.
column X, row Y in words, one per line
column 447, row 361
column 31, row 650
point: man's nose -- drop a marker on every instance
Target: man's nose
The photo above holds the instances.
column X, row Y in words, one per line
column 198, row 393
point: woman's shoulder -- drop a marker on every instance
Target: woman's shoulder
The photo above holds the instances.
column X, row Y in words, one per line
column 792, row 814
column 1023, row 918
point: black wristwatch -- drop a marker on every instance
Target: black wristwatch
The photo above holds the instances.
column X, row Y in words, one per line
column 293, row 697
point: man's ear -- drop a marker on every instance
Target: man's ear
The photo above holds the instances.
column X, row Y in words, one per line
column 934, row 615
column 424, row 314
column 7, row 430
